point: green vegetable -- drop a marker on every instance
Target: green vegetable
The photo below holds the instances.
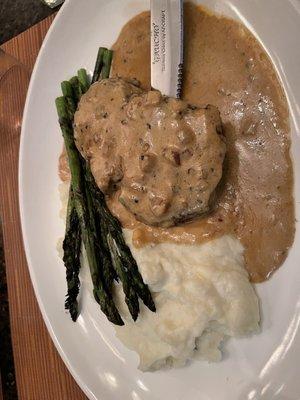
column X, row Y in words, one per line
column 115, row 229
column 98, row 64
column 102, row 296
column 89, row 220
column 68, row 92
column 71, row 257
column 107, row 59
column 83, row 79
column 77, row 91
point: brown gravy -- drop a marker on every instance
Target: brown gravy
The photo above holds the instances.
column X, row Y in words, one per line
column 134, row 139
column 226, row 66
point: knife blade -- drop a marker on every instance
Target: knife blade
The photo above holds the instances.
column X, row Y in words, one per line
column 167, row 46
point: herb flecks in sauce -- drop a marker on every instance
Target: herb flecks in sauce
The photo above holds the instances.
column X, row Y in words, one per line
column 150, row 166
column 225, row 66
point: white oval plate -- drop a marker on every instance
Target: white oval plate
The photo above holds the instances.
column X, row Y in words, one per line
column 265, row 366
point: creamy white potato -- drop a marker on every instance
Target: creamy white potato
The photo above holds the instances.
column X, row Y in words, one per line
column 202, row 293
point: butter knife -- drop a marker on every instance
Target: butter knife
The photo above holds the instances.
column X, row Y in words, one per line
column 167, row 46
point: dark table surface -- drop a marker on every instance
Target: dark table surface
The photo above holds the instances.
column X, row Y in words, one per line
column 18, row 15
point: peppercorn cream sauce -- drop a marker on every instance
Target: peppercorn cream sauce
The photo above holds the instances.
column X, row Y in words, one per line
column 134, row 139
column 224, row 65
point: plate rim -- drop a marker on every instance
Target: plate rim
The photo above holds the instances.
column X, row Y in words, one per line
column 79, row 381
column 84, row 387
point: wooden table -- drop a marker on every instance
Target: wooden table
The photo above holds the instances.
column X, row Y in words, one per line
column 40, row 373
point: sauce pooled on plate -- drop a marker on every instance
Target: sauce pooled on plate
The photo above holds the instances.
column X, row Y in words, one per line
column 226, row 67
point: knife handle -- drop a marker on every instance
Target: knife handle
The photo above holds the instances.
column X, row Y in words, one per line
column 167, row 46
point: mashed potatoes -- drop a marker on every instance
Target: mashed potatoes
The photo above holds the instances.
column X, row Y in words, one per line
column 201, row 292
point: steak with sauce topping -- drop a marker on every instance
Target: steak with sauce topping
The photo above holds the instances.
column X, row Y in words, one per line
column 164, row 156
